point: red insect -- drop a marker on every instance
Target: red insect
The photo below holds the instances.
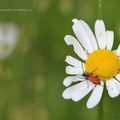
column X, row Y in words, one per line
column 92, row 78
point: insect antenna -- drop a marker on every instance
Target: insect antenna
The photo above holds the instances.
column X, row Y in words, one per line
column 94, row 70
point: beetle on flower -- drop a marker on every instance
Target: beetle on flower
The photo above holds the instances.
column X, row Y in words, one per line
column 100, row 64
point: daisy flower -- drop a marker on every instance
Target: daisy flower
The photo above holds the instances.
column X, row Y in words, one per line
column 8, row 39
column 98, row 66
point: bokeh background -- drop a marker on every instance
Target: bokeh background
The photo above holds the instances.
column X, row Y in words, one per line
column 31, row 78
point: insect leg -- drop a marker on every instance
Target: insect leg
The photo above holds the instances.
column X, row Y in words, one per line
column 116, row 79
column 87, row 84
column 79, row 76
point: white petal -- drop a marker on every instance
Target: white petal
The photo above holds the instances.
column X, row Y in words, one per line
column 74, row 70
column 95, row 96
column 73, row 61
column 83, row 68
column 81, row 34
column 109, row 39
column 68, row 80
column 83, row 90
column 117, row 83
column 67, row 94
column 70, row 40
column 90, row 35
column 118, row 51
column 113, row 91
column 100, row 33
column 118, row 77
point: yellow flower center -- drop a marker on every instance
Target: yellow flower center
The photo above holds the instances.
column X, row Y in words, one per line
column 104, row 64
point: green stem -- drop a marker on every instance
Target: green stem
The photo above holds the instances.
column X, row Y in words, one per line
column 101, row 109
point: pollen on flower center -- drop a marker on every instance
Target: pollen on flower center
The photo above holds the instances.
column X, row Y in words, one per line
column 104, row 64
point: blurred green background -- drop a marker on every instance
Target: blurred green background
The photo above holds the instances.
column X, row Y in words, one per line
column 31, row 78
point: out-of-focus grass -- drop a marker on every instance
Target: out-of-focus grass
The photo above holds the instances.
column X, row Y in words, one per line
column 31, row 78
